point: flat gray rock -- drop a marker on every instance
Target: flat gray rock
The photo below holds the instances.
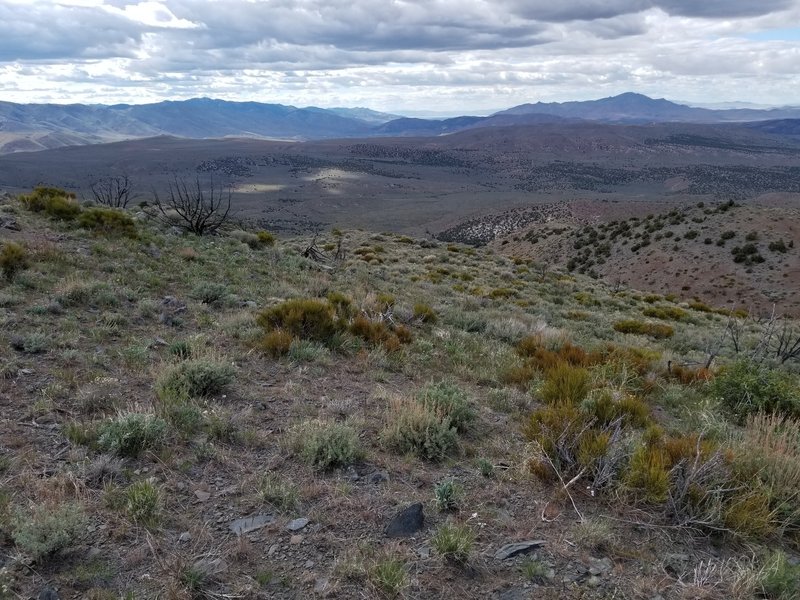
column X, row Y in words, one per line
column 248, row 524
column 297, row 524
column 517, row 548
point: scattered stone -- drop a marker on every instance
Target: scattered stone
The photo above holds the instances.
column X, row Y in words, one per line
column 248, row 524
column 593, row 581
column 210, row 567
column 202, row 495
column 272, row 549
column 48, row 593
column 424, row 552
column 378, row 477
column 407, row 522
column 249, row 304
column 297, row 524
column 296, row 540
column 510, row 550
column 185, row 537
column 9, row 223
column 309, row 564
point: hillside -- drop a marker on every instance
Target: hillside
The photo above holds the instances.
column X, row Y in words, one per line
column 30, row 127
column 238, row 416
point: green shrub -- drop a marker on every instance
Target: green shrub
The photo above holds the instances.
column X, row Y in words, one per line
column 447, row 495
column 209, row 292
column 110, row 222
column 746, row 388
column 143, row 502
column 194, row 378
column 654, row 330
column 13, row 259
column 454, row 542
column 779, row 579
column 45, row 529
column 413, row 427
column 326, row 444
column 53, row 202
column 303, row 318
column 448, row 400
column 131, row 434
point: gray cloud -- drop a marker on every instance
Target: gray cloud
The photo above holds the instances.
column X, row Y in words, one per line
column 39, row 32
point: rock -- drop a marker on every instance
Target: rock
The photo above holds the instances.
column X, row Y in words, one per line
column 517, row 548
column 185, row 537
column 48, row 593
column 152, row 251
column 248, row 524
column 210, row 567
column 378, row 477
column 321, row 585
column 9, row 223
column 407, row 522
column 593, row 581
column 296, row 540
column 600, row 566
column 249, row 304
column 297, row 524
column 202, row 495
column 424, row 552
column 309, row 564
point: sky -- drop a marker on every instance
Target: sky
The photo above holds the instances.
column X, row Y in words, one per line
column 402, row 56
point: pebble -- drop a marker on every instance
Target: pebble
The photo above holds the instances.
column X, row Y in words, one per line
column 185, row 537
column 296, row 540
column 248, row 524
column 297, row 524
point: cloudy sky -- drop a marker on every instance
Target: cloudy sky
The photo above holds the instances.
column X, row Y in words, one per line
column 453, row 56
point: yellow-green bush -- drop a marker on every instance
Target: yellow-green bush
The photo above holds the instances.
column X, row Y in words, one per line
column 304, row 318
column 110, row 222
column 53, row 202
column 13, row 259
column 654, row 330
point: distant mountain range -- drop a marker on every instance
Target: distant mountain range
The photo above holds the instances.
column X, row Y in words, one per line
column 29, row 127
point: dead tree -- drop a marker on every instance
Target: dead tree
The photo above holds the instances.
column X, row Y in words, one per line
column 787, row 343
column 193, row 208
column 113, row 191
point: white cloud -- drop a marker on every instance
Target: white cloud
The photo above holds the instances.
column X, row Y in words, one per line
column 456, row 55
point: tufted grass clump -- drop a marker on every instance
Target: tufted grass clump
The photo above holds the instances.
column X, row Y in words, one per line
column 666, row 313
column 108, row 222
column 657, row 331
column 131, row 434
column 424, row 313
column 454, row 542
column 143, row 502
column 567, row 384
column 278, row 492
column 194, row 378
column 13, row 259
column 276, row 343
column 43, row 529
column 326, row 444
column 390, row 576
column 411, row 427
column 448, row 400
